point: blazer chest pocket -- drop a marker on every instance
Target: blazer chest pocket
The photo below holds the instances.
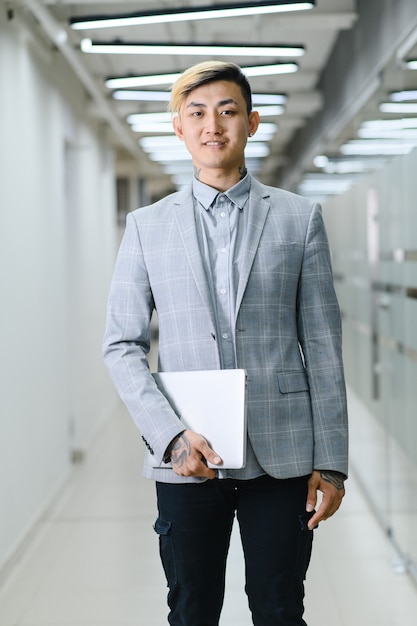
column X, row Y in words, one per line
column 292, row 381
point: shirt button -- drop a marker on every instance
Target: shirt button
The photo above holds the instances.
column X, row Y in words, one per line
column 225, row 335
column 223, row 250
column 222, row 214
column 221, row 198
column 222, row 291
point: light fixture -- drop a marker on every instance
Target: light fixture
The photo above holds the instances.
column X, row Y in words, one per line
column 399, row 129
column 387, row 133
column 398, row 107
column 168, row 149
column 377, row 147
column 411, row 64
column 270, row 111
column 321, row 160
column 397, row 124
column 126, row 82
column 188, row 14
column 403, row 96
column 138, row 118
column 348, row 165
column 118, row 47
column 268, row 98
column 165, row 128
column 153, row 127
column 180, row 153
column 171, row 141
column 141, row 96
column 323, row 185
column 166, row 116
column 164, row 96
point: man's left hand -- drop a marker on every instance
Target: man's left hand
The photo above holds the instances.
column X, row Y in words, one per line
column 331, row 484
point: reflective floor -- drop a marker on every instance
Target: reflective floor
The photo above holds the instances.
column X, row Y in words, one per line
column 93, row 560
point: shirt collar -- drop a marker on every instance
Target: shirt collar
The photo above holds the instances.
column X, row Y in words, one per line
column 206, row 195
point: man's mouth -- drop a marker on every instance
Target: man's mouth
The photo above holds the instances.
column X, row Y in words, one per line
column 215, row 143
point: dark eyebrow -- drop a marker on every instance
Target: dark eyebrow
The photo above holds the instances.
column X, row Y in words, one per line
column 220, row 104
column 195, row 104
column 228, row 101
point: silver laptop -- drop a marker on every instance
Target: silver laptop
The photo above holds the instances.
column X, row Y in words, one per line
column 212, row 403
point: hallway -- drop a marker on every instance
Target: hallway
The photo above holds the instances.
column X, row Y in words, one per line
column 93, row 560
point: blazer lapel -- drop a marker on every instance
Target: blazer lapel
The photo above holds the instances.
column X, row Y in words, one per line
column 258, row 211
column 185, row 218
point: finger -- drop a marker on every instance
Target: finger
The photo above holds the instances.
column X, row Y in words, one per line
column 312, row 493
column 209, row 454
column 328, row 507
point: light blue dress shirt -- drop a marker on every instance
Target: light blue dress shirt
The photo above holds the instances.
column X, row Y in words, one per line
column 221, row 219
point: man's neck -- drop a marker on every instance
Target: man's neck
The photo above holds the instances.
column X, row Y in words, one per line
column 220, row 180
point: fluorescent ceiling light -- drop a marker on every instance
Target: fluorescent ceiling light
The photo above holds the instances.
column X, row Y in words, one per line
column 141, row 96
column 180, row 153
column 405, row 122
column 176, row 168
column 375, row 147
column 126, row 82
column 141, row 81
column 375, row 133
column 325, row 185
column 139, row 118
column 403, row 96
column 164, row 96
column 153, row 127
column 270, row 111
column 268, row 70
column 265, row 130
column 268, row 98
column 95, row 47
column 188, row 14
column 321, row 160
column 398, row 107
column 165, row 156
column 352, row 165
column 149, row 143
column 411, row 64
column 166, row 116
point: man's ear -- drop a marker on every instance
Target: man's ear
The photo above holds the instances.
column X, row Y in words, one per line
column 254, row 120
column 176, row 122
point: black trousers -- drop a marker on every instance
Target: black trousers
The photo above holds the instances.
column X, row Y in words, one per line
column 194, row 527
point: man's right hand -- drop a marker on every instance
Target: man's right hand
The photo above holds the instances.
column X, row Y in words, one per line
column 189, row 456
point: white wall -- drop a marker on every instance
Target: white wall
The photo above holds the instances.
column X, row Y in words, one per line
column 373, row 234
column 57, row 245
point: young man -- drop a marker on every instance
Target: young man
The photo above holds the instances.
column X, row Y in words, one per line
column 239, row 274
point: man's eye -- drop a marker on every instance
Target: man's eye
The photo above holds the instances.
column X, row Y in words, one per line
column 227, row 112
column 196, row 114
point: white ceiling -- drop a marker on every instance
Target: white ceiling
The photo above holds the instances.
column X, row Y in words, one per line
column 317, row 30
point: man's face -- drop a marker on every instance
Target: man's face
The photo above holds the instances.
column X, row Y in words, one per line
column 214, row 124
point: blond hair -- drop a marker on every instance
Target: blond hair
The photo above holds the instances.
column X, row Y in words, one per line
column 207, row 72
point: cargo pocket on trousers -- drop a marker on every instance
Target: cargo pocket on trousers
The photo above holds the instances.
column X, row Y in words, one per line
column 166, row 550
column 305, row 545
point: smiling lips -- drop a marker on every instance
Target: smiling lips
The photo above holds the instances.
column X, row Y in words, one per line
column 215, row 144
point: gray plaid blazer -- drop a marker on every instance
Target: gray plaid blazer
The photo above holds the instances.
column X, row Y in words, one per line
column 288, row 331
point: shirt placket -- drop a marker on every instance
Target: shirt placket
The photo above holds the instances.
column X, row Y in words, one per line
column 223, row 280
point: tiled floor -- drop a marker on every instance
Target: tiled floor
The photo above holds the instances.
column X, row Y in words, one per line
column 93, row 561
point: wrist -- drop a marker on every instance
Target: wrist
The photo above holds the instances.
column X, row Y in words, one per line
column 167, row 453
column 335, row 478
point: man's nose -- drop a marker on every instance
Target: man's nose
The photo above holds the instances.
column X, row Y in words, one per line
column 214, row 124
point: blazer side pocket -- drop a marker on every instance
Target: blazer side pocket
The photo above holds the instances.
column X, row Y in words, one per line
column 292, row 381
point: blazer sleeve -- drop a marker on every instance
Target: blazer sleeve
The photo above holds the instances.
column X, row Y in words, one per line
column 127, row 342
column 320, row 336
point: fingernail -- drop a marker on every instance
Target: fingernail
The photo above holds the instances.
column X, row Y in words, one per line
column 216, row 460
column 309, row 508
